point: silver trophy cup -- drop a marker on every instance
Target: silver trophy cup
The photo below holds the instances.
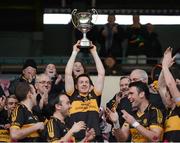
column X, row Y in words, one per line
column 83, row 22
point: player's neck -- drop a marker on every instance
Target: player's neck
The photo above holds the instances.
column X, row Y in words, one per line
column 59, row 116
column 143, row 106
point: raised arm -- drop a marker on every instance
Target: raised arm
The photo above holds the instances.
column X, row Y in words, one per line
column 69, row 82
column 162, row 88
column 170, row 81
column 99, row 84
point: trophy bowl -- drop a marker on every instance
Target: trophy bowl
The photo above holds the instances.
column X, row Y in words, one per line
column 83, row 22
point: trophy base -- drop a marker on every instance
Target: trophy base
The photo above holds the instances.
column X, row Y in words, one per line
column 85, row 44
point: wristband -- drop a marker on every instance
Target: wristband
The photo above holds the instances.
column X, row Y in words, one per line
column 116, row 125
column 135, row 124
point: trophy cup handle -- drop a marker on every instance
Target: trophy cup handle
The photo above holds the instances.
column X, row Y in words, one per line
column 95, row 13
column 73, row 13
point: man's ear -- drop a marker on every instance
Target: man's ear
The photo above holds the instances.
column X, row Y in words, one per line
column 141, row 94
column 58, row 106
column 29, row 95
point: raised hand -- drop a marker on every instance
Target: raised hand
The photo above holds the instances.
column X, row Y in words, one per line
column 76, row 46
column 129, row 118
column 78, row 126
column 93, row 48
column 168, row 60
column 90, row 134
column 112, row 115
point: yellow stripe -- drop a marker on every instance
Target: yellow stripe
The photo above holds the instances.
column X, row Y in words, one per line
column 80, row 106
column 14, row 126
column 56, row 141
column 4, row 136
column 172, row 123
column 33, row 134
column 14, row 113
column 50, row 129
column 155, row 126
column 136, row 136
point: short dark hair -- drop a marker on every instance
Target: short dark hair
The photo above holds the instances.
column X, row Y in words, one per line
column 83, row 75
column 141, row 87
column 122, row 77
column 21, row 90
column 56, row 100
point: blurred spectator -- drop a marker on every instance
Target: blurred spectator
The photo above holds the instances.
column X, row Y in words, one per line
column 5, row 86
column 111, row 66
column 8, row 106
column 57, row 83
column 78, row 68
column 28, row 75
column 152, row 45
column 136, row 34
column 120, row 101
column 43, row 87
column 111, row 37
column 104, row 125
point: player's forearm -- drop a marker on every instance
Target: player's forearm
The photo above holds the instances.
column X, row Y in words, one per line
column 69, row 66
column 18, row 134
column 99, row 65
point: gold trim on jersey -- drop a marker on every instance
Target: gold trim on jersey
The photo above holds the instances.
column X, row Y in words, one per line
column 15, row 126
column 33, row 134
column 50, row 128
column 155, row 126
column 172, row 123
column 4, row 136
column 80, row 106
column 136, row 136
column 14, row 113
column 159, row 116
column 55, row 141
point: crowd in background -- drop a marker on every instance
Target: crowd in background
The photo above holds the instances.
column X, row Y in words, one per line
column 132, row 42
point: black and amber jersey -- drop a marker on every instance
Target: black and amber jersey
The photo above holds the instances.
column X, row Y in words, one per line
column 4, row 133
column 85, row 108
column 172, row 125
column 151, row 118
column 56, row 130
column 21, row 117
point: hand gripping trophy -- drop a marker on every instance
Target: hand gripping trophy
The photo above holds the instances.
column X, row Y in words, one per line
column 83, row 22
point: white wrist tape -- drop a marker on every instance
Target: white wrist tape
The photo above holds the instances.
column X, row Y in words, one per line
column 116, row 125
column 135, row 124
